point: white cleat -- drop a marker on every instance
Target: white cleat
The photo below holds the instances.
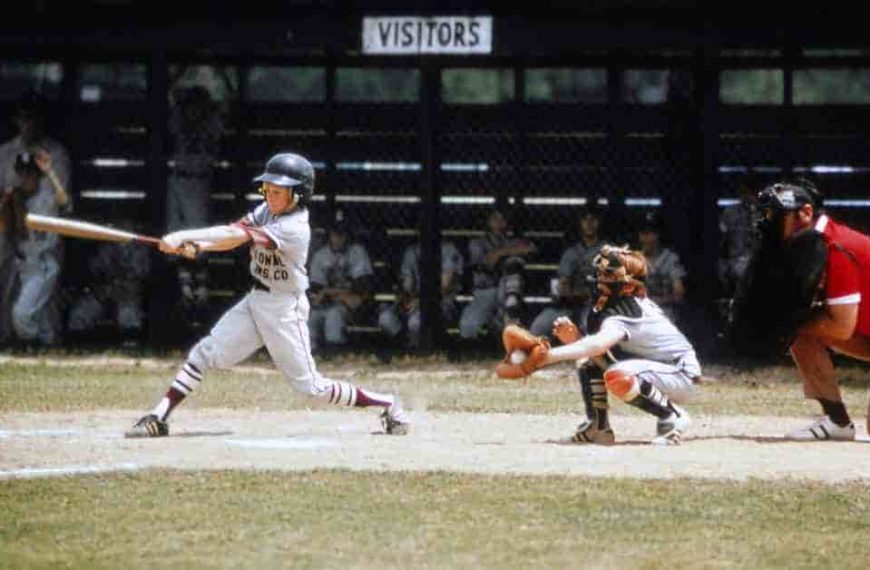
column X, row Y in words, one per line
column 823, row 430
column 670, row 431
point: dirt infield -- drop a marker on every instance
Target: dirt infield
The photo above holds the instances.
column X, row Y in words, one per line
column 718, row 447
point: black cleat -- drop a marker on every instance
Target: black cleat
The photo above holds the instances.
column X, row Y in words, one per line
column 148, row 426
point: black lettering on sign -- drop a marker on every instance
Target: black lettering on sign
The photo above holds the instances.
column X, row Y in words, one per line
column 473, row 32
column 407, row 38
column 444, row 34
column 276, row 260
column 430, row 32
column 281, row 274
column 419, row 34
column 384, row 31
column 460, row 34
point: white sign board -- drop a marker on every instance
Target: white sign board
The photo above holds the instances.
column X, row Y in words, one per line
column 412, row 35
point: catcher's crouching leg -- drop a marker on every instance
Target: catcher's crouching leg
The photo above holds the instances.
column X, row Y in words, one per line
column 644, row 395
column 596, row 428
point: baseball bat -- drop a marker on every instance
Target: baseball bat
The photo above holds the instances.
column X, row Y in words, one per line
column 84, row 230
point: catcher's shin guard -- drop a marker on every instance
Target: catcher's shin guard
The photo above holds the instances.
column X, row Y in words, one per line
column 639, row 393
column 594, row 393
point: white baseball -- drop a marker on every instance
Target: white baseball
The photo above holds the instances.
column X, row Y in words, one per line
column 518, row 357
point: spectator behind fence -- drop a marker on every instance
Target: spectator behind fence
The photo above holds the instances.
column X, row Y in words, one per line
column 737, row 237
column 665, row 281
column 574, row 287
column 341, row 287
column 498, row 262
column 404, row 314
column 36, row 167
column 196, row 124
column 117, row 274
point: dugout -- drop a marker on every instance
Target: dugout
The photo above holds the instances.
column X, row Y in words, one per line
column 638, row 106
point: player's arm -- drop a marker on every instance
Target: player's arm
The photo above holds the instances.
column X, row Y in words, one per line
column 842, row 299
column 587, row 347
column 836, row 322
column 215, row 238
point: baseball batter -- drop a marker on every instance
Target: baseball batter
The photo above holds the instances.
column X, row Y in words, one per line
column 275, row 312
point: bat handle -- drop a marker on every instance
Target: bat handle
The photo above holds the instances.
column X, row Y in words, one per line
column 147, row 240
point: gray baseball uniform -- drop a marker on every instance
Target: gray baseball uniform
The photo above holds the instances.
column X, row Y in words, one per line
column 392, row 316
column 34, row 316
column 654, row 349
column 335, row 269
column 488, row 286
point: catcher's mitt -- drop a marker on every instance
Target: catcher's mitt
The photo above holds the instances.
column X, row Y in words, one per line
column 782, row 290
column 517, row 338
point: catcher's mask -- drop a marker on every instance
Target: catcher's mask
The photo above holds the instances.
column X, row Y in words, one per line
column 776, row 200
column 619, row 271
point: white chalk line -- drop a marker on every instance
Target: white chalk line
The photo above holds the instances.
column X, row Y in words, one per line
column 33, row 472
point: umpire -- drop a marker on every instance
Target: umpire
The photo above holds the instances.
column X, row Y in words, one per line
column 792, row 213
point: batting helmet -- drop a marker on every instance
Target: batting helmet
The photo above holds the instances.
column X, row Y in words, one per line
column 292, row 171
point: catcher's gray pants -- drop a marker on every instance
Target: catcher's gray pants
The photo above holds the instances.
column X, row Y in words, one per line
column 669, row 379
column 34, row 316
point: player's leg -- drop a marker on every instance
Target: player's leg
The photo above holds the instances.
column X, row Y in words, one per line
column 31, row 312
column 335, row 322
column 233, row 339
column 478, row 312
column 657, row 389
column 596, row 428
column 414, row 323
column 857, row 347
column 542, row 324
column 284, row 328
column 816, row 369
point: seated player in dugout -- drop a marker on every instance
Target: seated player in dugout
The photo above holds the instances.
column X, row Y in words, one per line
column 274, row 313
column 342, row 286
column 843, row 322
column 632, row 351
column 573, row 288
column 497, row 260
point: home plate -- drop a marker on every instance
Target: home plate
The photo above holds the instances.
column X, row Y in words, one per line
column 283, row 443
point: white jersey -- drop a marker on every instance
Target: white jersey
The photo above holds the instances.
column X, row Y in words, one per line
column 279, row 262
column 649, row 334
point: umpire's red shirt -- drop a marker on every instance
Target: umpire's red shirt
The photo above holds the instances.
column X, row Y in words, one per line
column 848, row 272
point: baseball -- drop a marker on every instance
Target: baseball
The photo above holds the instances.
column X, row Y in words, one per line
column 518, row 357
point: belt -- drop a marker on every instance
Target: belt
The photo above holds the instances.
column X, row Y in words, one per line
column 261, row 287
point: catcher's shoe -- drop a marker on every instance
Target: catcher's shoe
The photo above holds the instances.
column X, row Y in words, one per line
column 394, row 420
column 670, row 430
column 588, row 432
column 148, row 426
column 823, row 430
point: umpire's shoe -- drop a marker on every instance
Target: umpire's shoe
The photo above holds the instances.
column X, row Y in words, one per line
column 148, row 426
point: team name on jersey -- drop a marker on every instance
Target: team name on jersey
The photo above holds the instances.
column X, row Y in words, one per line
column 270, row 266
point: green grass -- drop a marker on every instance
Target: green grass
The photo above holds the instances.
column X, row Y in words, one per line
column 50, row 385
column 340, row 519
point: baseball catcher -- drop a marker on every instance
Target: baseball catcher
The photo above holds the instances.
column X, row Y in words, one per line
column 632, row 351
column 808, row 291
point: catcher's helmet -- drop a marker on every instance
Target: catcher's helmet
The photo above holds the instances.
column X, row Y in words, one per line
column 293, row 171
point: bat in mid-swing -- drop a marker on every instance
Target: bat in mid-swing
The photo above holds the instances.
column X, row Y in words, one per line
column 85, row 230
